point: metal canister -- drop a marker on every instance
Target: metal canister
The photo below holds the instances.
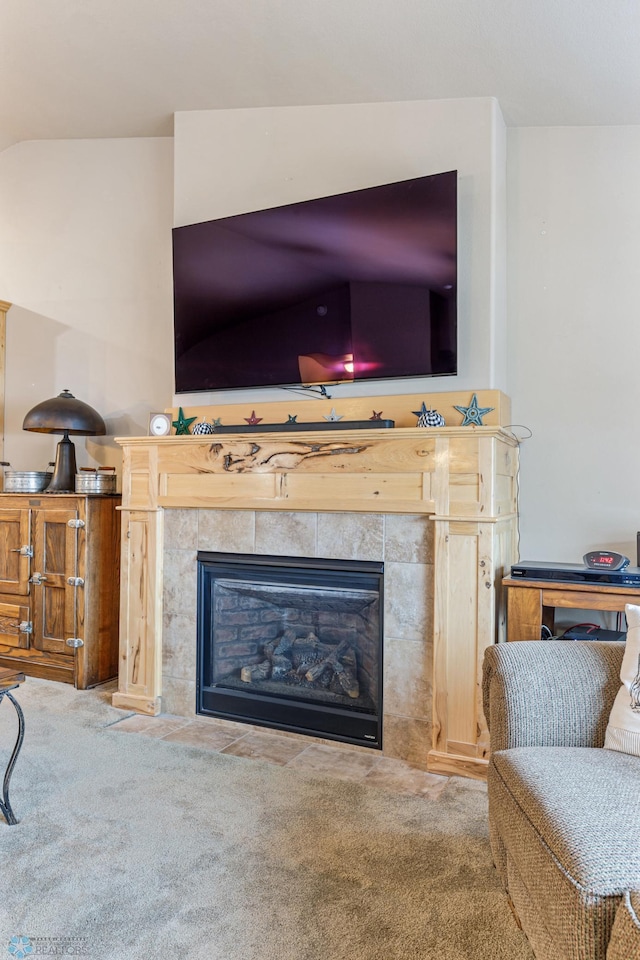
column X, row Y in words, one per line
column 25, row 481
column 102, row 480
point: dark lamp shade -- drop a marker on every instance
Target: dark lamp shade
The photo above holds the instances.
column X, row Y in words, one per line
column 64, row 414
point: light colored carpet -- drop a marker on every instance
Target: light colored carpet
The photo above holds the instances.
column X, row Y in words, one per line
column 146, row 848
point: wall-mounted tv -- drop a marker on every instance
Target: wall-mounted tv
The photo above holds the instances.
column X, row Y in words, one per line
column 357, row 286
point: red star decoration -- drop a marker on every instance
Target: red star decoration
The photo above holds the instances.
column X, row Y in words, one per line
column 376, row 416
column 253, row 419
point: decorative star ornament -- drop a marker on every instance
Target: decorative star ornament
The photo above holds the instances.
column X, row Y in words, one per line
column 253, row 419
column 376, row 416
column 292, row 419
column 421, row 412
column 217, row 422
column 333, row 417
column 182, row 424
column 428, row 418
column 473, row 413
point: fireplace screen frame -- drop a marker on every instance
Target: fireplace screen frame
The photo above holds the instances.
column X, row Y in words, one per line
column 293, row 714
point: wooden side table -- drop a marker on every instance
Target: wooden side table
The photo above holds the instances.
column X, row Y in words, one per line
column 532, row 603
column 9, row 680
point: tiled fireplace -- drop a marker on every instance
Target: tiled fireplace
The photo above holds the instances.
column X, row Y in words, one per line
column 403, row 543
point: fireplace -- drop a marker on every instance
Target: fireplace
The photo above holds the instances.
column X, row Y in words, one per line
column 291, row 643
column 437, row 507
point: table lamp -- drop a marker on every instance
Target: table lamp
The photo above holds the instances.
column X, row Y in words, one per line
column 66, row 415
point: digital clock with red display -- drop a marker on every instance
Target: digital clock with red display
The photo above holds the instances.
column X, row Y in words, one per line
column 605, row 560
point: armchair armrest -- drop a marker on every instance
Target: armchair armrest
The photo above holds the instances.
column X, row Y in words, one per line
column 550, row 692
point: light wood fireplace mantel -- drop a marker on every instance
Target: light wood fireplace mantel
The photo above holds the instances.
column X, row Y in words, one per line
column 463, row 478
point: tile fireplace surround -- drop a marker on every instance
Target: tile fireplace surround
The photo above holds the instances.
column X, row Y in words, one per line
column 404, row 543
column 437, row 506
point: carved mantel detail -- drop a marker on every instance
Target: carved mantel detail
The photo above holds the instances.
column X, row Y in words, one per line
column 462, row 477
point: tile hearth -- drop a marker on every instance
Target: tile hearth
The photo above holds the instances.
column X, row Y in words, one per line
column 368, row 768
column 403, row 542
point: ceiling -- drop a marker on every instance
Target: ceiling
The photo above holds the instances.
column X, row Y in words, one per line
column 121, row 68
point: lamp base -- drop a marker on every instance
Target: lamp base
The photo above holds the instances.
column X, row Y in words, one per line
column 64, row 471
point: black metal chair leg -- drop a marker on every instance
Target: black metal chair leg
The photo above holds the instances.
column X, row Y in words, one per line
column 5, row 806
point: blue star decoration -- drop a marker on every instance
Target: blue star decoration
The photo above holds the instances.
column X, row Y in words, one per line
column 183, row 423
column 333, row 417
column 473, row 413
column 292, row 419
column 422, row 412
column 428, row 418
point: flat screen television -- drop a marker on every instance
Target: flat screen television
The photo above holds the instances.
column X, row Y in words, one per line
column 357, row 286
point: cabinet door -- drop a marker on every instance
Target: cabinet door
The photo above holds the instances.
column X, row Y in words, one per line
column 14, row 538
column 54, row 561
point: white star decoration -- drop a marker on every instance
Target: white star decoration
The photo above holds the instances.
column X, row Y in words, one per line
column 333, row 416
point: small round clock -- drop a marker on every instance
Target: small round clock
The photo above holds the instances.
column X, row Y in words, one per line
column 605, row 560
column 159, row 424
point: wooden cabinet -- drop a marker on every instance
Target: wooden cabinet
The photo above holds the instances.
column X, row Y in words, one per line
column 59, row 586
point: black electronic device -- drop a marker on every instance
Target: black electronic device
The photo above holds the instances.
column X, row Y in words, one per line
column 351, row 287
column 591, row 631
column 575, row 573
column 605, row 560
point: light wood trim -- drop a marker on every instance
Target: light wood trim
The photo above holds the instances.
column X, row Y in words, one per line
column 425, row 434
column 140, row 669
column 145, row 705
column 4, row 309
column 459, row 766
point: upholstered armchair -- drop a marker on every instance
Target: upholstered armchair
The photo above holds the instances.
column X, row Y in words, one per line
column 564, row 813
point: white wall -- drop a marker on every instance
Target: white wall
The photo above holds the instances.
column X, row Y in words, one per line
column 85, row 257
column 574, row 336
column 232, row 161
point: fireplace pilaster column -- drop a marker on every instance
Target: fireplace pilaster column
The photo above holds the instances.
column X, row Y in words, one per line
column 140, row 672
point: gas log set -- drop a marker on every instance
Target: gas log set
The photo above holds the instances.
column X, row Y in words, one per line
column 308, row 663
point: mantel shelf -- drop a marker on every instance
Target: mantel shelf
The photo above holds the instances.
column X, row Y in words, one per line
column 397, row 433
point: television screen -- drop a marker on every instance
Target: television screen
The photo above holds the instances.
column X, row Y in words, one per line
column 357, row 286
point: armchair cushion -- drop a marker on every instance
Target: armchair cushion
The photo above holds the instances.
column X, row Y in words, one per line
column 584, row 802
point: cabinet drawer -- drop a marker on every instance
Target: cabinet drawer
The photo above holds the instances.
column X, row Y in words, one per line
column 11, row 616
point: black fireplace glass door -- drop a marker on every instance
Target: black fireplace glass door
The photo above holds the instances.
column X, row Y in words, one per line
column 292, row 643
